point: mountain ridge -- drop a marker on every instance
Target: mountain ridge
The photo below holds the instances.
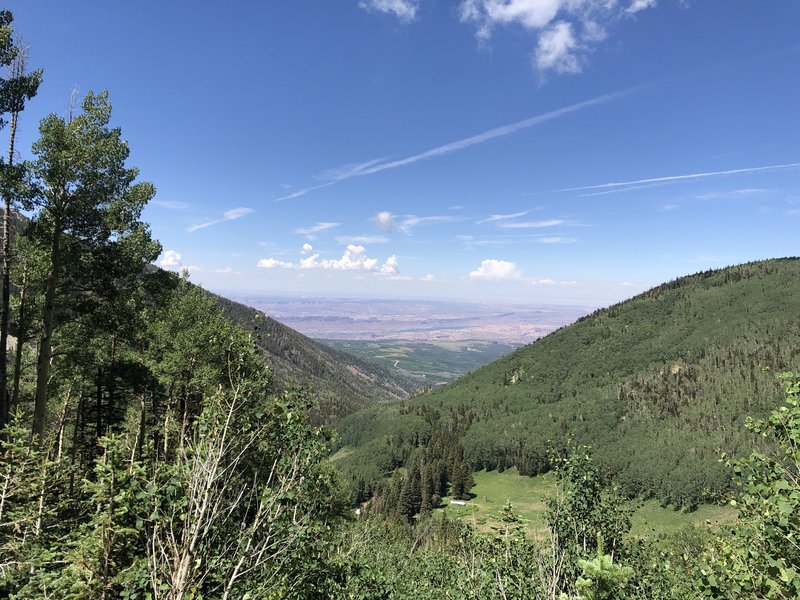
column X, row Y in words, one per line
column 659, row 385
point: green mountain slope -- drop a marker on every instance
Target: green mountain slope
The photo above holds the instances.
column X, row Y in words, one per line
column 339, row 382
column 659, row 385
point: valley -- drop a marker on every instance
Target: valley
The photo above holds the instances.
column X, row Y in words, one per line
column 415, row 320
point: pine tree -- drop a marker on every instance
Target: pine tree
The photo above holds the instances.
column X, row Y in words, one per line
column 14, row 91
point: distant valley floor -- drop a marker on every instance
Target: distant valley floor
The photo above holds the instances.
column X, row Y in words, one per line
column 434, row 342
column 433, row 363
column 415, row 320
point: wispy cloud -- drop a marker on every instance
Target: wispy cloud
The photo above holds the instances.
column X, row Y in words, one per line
column 235, row 213
column 361, row 239
column 310, row 232
column 492, row 218
column 411, row 221
column 532, row 224
column 170, row 204
column 491, row 134
column 732, row 193
column 405, row 10
column 671, row 178
column 557, row 239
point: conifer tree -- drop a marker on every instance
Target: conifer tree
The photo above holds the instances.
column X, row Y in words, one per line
column 18, row 87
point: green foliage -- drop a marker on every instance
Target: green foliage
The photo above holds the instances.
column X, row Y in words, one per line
column 602, row 578
column 658, row 385
column 761, row 558
column 338, row 383
column 430, row 363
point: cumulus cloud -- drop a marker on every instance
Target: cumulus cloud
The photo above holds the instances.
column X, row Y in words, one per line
column 173, row 261
column 170, row 258
column 428, row 278
column 566, row 31
column 556, row 50
column 230, row 215
column 306, row 248
column 495, row 270
column 273, row 263
column 405, row 10
column 385, row 220
column 354, row 258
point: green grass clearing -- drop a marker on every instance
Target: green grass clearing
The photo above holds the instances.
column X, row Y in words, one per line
column 528, row 495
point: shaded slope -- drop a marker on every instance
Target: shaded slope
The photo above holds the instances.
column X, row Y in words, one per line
column 339, row 383
column 660, row 385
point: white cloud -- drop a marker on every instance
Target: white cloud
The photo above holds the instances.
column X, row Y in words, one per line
column 224, row 270
column 497, row 132
column 230, row 215
column 272, row 263
column 170, row 204
column 409, row 222
column 309, row 262
column 169, row 259
column 428, row 278
column 625, row 185
column 556, row 239
column 390, row 266
column 492, row 218
column 306, row 248
column 405, row 10
column 347, row 171
column 236, row 213
column 310, row 232
column 638, row 5
column 354, row 259
column 532, row 224
column 566, row 31
column 173, row 261
column 556, row 50
column 361, row 239
column 495, row 270
column 385, row 220
column 545, row 281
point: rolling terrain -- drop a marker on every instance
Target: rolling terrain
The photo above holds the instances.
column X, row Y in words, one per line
column 431, row 363
column 660, row 386
column 339, row 383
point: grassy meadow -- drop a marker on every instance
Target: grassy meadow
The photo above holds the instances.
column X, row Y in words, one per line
column 528, row 495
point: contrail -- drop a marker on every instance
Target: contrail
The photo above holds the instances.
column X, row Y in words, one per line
column 491, row 134
column 678, row 177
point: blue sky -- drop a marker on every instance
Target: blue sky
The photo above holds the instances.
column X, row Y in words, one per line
column 526, row 150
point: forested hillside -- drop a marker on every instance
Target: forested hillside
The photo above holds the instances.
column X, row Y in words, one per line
column 659, row 385
column 337, row 382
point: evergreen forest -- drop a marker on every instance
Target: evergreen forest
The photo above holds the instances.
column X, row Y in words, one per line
column 159, row 442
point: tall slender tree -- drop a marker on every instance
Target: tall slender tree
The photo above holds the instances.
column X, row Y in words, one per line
column 89, row 222
column 15, row 90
